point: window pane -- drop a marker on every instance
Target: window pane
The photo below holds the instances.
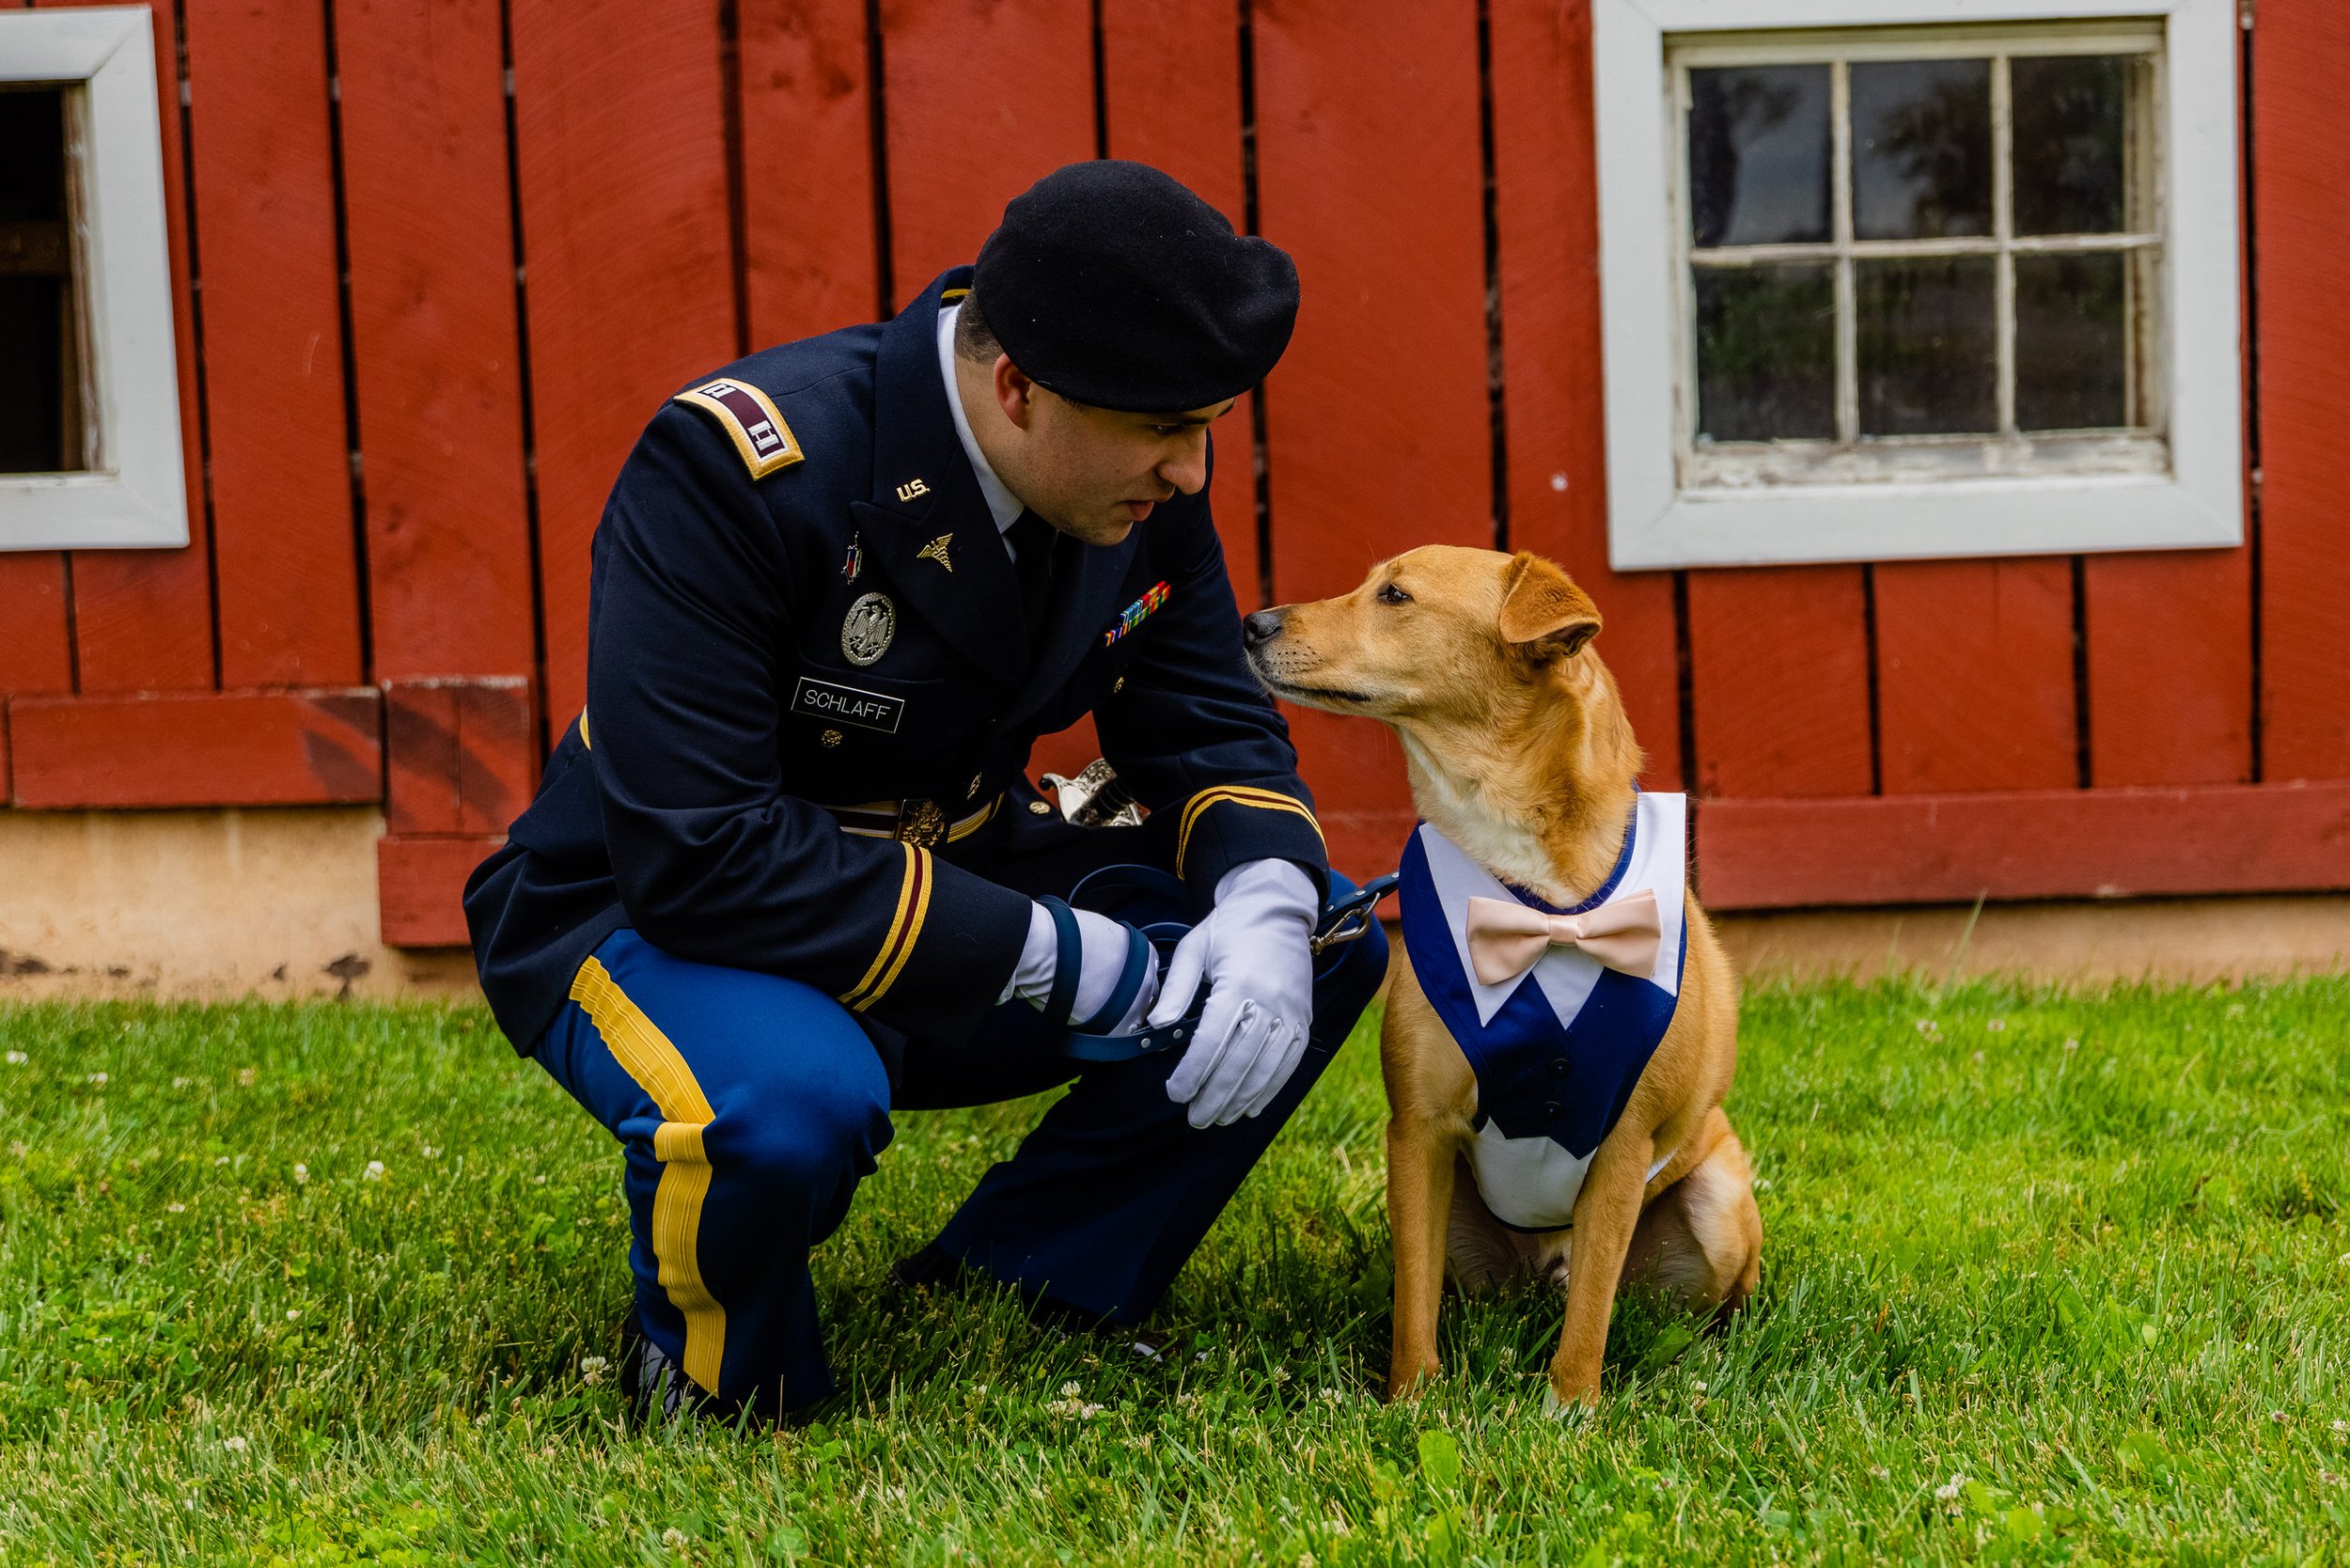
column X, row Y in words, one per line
column 39, row 377
column 2070, row 144
column 1766, row 353
column 1928, row 346
column 1920, row 148
column 1758, row 155
column 2072, row 343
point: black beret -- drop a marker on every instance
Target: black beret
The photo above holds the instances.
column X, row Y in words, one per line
column 1114, row 285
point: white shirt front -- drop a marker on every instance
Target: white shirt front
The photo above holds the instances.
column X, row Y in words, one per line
column 1001, row 503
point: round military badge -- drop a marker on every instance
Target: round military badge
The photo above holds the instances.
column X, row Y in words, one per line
column 872, row 620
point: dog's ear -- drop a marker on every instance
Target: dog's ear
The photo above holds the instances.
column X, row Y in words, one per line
column 1542, row 611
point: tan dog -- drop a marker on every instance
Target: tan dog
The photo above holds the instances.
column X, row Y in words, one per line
column 1519, row 754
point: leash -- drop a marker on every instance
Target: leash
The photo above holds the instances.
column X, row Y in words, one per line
column 1152, row 941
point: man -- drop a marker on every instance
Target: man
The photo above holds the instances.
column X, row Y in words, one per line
column 786, row 875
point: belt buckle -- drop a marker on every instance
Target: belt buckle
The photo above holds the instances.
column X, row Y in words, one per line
column 922, row 824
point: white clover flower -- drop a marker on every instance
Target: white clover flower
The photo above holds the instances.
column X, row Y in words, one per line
column 99, row 1078
column 302, row 1172
column 1996, row 1026
column 221, row 1159
column 430, row 1151
column 592, row 1370
column 1949, row 1491
column 374, row 1171
column 1699, row 1385
column 674, row 1539
column 234, row 1445
column 16, row 1059
column 292, row 1312
column 175, row 1208
column 2341, row 1426
column 1070, row 1390
column 245, row 1076
column 181, row 1083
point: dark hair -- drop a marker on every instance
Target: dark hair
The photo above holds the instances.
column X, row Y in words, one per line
column 974, row 339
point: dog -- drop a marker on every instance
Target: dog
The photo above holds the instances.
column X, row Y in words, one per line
column 1523, row 764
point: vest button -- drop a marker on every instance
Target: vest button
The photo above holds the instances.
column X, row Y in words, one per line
column 1559, row 1067
column 1550, row 1110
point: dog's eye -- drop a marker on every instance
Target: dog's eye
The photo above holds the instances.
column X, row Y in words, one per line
column 1390, row 594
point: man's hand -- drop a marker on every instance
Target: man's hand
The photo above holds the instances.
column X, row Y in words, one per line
column 1103, row 948
column 1254, row 951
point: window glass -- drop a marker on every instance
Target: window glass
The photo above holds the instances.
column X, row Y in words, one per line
column 2071, row 342
column 1960, row 247
column 1758, row 155
column 41, row 378
column 1920, row 148
column 1928, row 346
column 2070, row 132
column 1766, row 353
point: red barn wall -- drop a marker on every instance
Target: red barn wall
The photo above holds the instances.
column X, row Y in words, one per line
column 452, row 255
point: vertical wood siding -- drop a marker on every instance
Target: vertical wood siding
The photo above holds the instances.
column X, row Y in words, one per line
column 283, row 555
column 620, row 157
column 2301, row 125
column 551, row 217
column 436, row 346
column 1546, row 200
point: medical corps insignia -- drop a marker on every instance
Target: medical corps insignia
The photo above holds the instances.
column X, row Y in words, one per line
column 865, row 634
column 751, row 420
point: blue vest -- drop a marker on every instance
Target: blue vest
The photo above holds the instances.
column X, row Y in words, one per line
column 1557, row 1049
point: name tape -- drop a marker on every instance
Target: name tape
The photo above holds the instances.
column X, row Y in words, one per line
column 848, row 705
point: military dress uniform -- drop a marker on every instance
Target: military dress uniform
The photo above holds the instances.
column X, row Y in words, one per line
column 780, row 868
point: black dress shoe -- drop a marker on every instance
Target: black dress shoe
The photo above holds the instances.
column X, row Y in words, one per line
column 932, row 1268
column 655, row 1386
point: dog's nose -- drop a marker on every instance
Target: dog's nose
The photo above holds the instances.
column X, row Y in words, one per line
column 1259, row 626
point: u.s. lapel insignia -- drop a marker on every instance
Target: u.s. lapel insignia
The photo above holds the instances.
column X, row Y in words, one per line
column 872, row 620
column 1136, row 613
column 911, row 490
column 936, row 551
column 751, row 420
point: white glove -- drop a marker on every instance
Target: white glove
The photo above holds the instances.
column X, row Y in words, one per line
column 1254, row 949
column 1103, row 945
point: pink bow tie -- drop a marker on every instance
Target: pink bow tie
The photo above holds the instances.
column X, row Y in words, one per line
column 1506, row 938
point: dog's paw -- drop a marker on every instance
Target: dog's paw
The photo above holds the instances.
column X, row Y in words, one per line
column 1574, row 1412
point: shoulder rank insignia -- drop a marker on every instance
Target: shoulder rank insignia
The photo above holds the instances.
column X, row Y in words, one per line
column 750, row 417
column 1136, row 613
column 936, row 551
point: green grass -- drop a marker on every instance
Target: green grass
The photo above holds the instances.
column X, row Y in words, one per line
column 2083, row 1252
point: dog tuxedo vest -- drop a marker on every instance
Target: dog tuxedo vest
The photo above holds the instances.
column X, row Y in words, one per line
column 1557, row 1009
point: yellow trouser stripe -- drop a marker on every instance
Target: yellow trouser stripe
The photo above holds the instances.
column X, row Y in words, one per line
column 647, row 1055
column 1238, row 794
column 905, row 928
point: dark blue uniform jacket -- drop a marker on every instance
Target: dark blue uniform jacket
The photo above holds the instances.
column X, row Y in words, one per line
column 724, row 714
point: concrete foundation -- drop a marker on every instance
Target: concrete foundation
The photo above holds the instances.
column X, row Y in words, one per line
column 279, row 903
column 202, row 905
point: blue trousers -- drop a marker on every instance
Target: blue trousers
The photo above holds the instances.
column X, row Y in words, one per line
column 750, row 1106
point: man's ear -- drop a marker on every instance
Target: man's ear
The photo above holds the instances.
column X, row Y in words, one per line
column 1014, row 392
column 1543, row 612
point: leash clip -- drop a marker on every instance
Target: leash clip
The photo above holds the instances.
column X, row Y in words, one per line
column 1347, row 918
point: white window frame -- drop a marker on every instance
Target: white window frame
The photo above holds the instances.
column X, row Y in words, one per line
column 1657, row 521
column 135, row 493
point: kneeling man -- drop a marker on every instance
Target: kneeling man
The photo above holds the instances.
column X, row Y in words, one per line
column 787, row 876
